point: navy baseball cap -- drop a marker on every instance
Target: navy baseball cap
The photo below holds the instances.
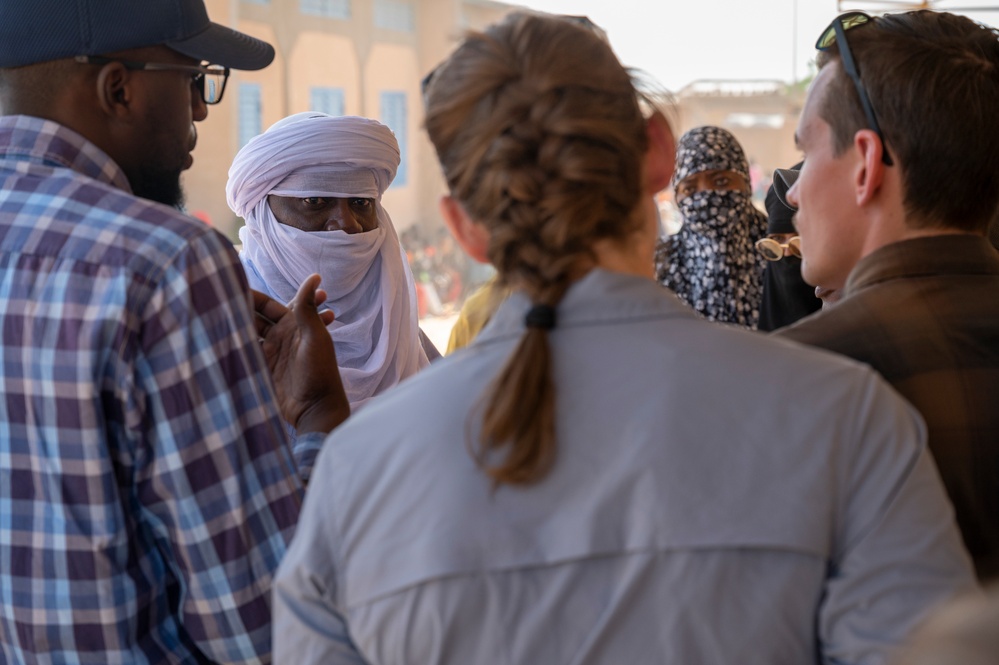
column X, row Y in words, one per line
column 33, row 31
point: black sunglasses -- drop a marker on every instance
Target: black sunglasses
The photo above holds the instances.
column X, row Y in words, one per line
column 836, row 34
column 210, row 80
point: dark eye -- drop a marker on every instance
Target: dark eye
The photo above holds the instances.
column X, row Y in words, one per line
column 314, row 201
column 722, row 181
column 360, row 203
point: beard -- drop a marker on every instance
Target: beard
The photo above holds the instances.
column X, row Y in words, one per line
column 158, row 178
column 157, row 184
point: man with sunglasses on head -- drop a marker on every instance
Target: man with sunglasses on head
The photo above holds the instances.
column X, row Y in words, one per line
column 148, row 489
column 899, row 185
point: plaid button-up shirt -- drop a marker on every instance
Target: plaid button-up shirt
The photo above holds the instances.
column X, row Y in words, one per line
column 147, row 486
column 925, row 314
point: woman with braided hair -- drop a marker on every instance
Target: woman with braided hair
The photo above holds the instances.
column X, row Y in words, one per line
column 596, row 477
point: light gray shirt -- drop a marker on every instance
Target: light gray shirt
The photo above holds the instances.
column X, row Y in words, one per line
column 718, row 497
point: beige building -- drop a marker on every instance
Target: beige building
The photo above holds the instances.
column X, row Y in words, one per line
column 367, row 57
column 343, row 57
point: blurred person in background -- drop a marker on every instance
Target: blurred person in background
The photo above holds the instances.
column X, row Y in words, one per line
column 786, row 296
column 475, row 313
column 711, row 263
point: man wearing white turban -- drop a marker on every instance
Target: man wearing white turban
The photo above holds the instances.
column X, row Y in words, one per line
column 310, row 189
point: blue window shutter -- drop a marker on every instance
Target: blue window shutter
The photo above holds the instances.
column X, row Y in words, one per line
column 339, row 9
column 395, row 15
column 250, row 112
column 326, row 100
column 393, row 114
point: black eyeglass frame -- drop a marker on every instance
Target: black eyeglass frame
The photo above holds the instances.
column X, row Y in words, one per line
column 850, row 67
column 198, row 72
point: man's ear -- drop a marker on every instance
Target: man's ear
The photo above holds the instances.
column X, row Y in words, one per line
column 660, row 157
column 870, row 171
column 114, row 89
column 472, row 236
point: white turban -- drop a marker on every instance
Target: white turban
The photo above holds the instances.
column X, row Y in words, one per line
column 366, row 276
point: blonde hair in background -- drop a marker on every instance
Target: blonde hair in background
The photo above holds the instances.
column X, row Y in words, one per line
column 541, row 136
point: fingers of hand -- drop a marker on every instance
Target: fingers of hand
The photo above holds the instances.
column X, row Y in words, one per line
column 304, row 304
column 267, row 312
column 263, row 325
column 307, row 291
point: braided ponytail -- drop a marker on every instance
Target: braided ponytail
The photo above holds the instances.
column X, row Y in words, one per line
column 540, row 134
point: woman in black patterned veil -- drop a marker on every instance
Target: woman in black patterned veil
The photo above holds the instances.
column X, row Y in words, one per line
column 711, row 263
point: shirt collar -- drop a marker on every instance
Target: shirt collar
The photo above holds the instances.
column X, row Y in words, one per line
column 960, row 253
column 45, row 141
column 600, row 297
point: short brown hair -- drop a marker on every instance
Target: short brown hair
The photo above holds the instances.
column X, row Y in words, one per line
column 933, row 80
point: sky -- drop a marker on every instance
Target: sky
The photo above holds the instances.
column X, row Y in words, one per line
column 681, row 41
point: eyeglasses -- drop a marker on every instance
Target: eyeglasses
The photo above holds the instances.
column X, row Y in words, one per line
column 772, row 250
column 210, row 80
column 836, row 34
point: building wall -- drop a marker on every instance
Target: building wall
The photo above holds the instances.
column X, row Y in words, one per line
column 393, row 69
column 352, row 55
column 338, row 69
column 363, row 61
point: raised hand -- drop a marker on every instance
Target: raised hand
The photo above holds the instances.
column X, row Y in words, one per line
column 302, row 360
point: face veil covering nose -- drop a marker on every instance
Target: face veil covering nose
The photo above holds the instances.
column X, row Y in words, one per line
column 712, row 262
column 366, row 276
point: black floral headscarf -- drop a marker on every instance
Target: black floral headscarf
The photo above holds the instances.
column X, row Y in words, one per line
column 712, row 262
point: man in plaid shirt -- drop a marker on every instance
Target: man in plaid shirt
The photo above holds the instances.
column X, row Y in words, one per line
column 148, row 488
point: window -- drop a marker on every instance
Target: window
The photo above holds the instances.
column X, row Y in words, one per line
column 393, row 114
column 394, row 15
column 328, row 8
column 326, row 100
column 250, row 115
column 755, row 120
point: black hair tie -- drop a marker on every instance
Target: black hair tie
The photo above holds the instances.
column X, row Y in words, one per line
column 540, row 316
